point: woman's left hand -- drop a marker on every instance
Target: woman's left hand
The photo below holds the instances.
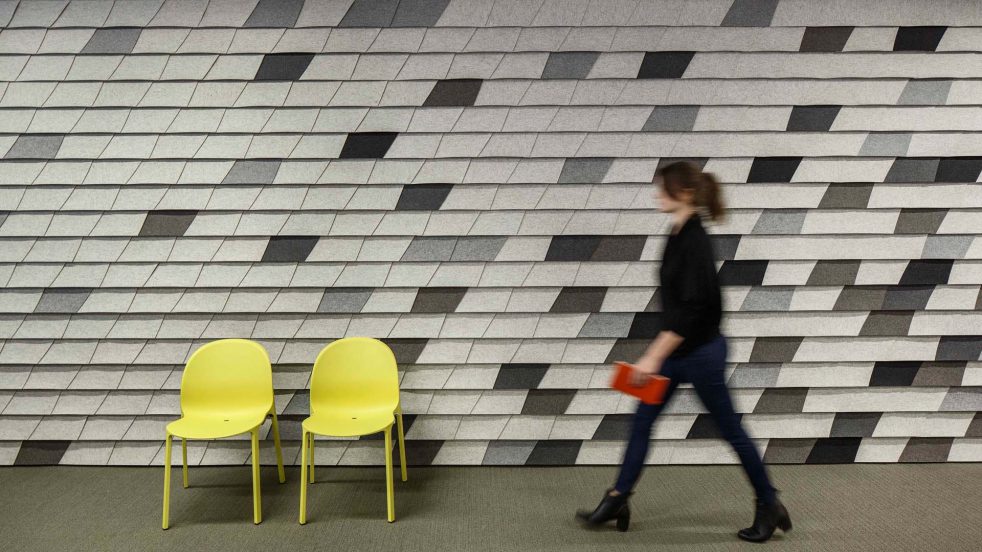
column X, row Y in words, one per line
column 644, row 368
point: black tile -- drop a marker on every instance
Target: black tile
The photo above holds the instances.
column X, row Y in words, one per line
column 645, row 325
column 781, row 400
column 834, row 450
column 406, row 350
column 367, row 145
column 614, row 427
column 824, row 39
column 899, row 373
column 918, row 39
column 554, row 453
column 547, row 402
column 288, row 249
column 167, row 223
column 520, row 376
column 704, row 427
column 854, row 424
column 664, row 65
column 725, row 245
column 697, row 161
column 742, row 273
column 958, row 169
column 846, row 195
column 812, row 118
column 907, row 297
column 423, row 197
column 438, row 299
column 834, row 272
column 283, row 67
column 619, row 248
column 572, row 248
column 926, row 272
column 775, row 349
column 773, row 169
column 959, row 347
column 418, row 452
column 454, row 92
column 41, row 453
column 579, row 299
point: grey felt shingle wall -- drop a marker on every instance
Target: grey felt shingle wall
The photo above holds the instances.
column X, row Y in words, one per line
column 469, row 180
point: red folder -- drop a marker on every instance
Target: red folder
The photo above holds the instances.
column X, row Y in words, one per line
column 652, row 392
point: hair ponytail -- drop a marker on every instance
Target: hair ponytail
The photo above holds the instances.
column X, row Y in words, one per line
column 705, row 188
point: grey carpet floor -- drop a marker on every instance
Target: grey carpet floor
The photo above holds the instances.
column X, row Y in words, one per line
column 845, row 507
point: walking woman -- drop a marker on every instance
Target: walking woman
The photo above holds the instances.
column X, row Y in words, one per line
column 690, row 348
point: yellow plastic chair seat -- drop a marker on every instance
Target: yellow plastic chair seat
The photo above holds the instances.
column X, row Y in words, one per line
column 211, row 426
column 349, row 424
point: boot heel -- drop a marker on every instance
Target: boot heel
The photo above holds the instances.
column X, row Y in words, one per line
column 785, row 524
column 623, row 521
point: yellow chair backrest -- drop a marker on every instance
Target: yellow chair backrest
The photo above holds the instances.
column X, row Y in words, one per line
column 355, row 373
column 228, row 375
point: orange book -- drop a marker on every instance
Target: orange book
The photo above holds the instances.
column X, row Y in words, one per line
column 652, row 392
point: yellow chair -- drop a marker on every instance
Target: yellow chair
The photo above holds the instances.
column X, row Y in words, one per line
column 354, row 391
column 226, row 390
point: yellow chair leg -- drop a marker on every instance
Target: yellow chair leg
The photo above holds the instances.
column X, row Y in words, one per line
column 257, row 501
column 184, row 460
column 166, row 481
column 303, row 478
column 279, row 450
column 402, row 446
column 310, row 448
column 390, row 499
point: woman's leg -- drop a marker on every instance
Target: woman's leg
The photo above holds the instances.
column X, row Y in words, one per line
column 638, row 441
column 709, row 382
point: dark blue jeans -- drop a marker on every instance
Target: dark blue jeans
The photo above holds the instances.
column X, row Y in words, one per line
column 705, row 369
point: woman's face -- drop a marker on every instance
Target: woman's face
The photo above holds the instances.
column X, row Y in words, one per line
column 667, row 203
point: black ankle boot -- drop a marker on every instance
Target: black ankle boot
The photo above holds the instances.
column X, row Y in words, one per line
column 767, row 518
column 611, row 507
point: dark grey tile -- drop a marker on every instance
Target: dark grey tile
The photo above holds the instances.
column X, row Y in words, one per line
column 913, row 169
column 854, row 424
column 344, row 300
column 725, row 245
column 167, row 223
column 958, row 169
column 520, row 376
column 975, row 428
column 275, row 13
column 619, row 248
column 773, row 169
column 664, row 65
column 697, row 161
column 579, row 299
column 112, row 41
column 454, row 92
column 671, row 118
column 554, row 453
column 742, row 273
column 788, row 451
column 940, row 374
column 750, row 13
column 614, row 427
column 846, row 195
column 572, row 248
column 926, row 449
column 419, row 13
column 780, row 400
column 419, row 452
column 959, row 347
column 507, row 453
column 834, row 450
column 775, row 349
column 427, row 248
column 547, row 402
column 704, row 427
column 627, row 348
column 62, row 300
column 860, row 298
column 438, row 299
column 585, row 170
column 825, row 39
column 812, row 118
column 289, row 249
column 283, row 67
column 919, row 221
column 569, row 65
column 887, row 323
column 407, row 351
column 926, row 272
column 645, row 325
column 252, row 172
column 35, row 146
column 370, row 13
column 41, row 453
column 907, row 297
column 833, row 272
column 423, row 197
column 477, row 248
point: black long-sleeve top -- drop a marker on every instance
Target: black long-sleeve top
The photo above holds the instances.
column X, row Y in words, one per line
column 690, row 295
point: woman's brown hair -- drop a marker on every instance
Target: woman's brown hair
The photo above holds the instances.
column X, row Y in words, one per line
column 684, row 175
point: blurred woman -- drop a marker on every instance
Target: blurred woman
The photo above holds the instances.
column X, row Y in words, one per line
column 690, row 348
